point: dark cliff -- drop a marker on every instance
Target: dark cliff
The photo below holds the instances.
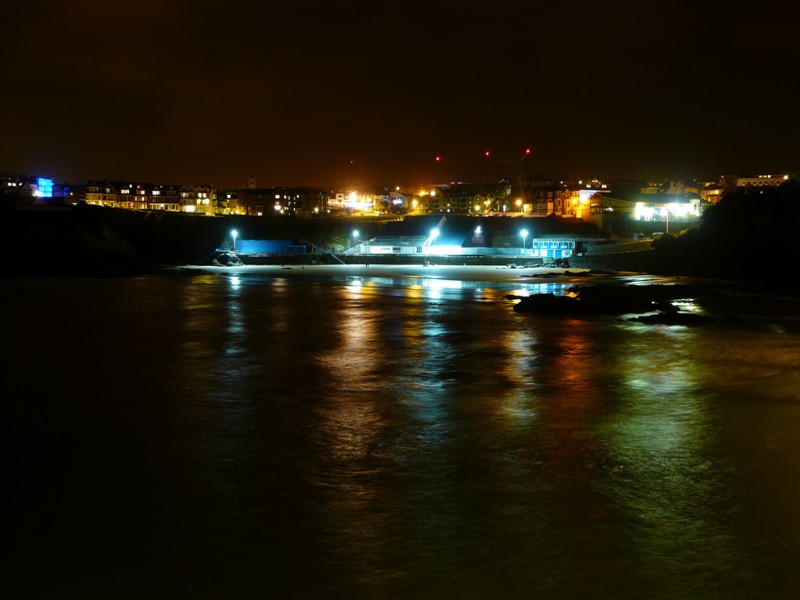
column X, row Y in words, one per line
column 88, row 240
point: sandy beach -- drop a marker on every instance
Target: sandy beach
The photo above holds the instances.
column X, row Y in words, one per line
column 489, row 273
column 498, row 274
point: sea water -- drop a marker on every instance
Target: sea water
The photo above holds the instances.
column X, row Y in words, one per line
column 240, row 436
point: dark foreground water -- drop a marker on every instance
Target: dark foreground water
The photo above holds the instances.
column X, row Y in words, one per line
column 213, row 436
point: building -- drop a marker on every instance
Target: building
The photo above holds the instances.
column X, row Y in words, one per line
column 352, row 203
column 29, row 189
column 101, row 193
column 198, row 199
column 458, row 235
column 645, row 213
column 134, row 196
column 409, row 236
column 755, row 181
column 164, row 198
column 276, row 201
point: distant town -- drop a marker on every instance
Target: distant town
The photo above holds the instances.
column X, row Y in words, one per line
column 526, row 196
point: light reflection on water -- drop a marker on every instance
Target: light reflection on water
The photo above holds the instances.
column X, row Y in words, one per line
column 401, row 437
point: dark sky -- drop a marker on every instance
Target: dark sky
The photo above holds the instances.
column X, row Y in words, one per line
column 291, row 91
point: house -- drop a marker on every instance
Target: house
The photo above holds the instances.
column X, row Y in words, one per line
column 164, row 197
column 199, row 199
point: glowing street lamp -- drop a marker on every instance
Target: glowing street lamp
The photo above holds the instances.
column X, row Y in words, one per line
column 234, row 233
column 524, row 234
column 355, row 238
column 434, row 235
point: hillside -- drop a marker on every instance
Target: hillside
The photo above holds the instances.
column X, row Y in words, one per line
column 89, row 240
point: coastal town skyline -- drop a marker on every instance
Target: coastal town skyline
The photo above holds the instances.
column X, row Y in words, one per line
column 659, row 200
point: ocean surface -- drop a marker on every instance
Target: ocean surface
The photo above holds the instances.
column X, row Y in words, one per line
column 246, row 436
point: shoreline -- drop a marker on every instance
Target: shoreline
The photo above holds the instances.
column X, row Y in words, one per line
column 487, row 273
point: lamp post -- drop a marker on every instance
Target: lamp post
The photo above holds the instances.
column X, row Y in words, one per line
column 524, row 234
column 234, row 233
column 355, row 237
column 434, row 235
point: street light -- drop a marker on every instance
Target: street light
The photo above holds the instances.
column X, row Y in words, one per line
column 524, row 234
column 234, row 233
column 355, row 237
column 434, row 235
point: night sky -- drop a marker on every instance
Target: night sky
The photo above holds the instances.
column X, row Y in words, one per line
column 292, row 91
